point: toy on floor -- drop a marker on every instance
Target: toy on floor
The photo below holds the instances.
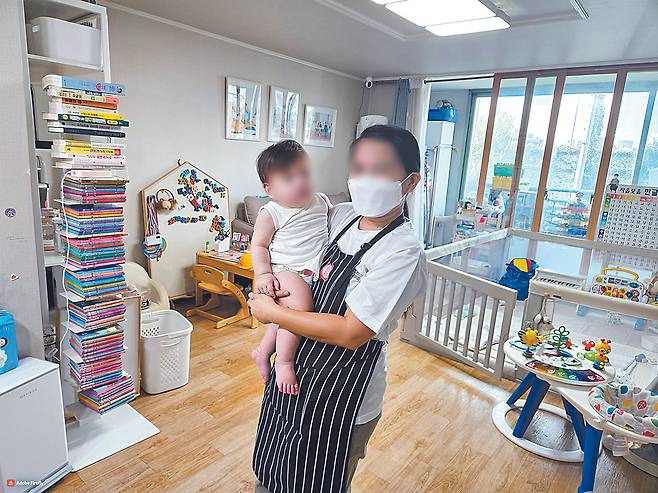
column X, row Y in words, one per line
column 517, row 276
column 602, row 350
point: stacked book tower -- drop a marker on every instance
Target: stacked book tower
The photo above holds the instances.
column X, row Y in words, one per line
column 93, row 191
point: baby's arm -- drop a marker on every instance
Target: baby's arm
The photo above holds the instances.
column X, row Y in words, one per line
column 266, row 282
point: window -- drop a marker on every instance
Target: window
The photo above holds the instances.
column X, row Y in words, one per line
column 555, row 171
column 577, row 148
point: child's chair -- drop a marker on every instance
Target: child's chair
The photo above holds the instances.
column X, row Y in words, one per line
column 151, row 290
column 214, row 282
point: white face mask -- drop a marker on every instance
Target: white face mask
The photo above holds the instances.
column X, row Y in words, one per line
column 373, row 196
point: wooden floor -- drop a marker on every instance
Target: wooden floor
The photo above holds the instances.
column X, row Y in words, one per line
column 435, row 435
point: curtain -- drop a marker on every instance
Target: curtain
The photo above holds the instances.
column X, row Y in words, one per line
column 402, row 92
column 419, row 103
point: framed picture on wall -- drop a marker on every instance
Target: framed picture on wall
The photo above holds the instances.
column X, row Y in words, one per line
column 319, row 125
column 284, row 108
column 242, row 109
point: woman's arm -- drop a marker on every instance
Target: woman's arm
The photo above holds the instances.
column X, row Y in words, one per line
column 346, row 331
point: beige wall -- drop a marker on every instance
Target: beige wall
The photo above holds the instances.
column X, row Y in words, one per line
column 175, row 86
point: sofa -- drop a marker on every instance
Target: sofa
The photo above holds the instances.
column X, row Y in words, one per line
column 248, row 210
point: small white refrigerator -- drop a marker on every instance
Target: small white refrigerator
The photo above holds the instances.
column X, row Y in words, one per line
column 33, row 450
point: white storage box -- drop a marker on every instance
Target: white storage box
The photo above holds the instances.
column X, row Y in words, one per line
column 62, row 40
column 165, row 340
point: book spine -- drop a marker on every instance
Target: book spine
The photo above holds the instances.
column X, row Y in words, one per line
column 89, row 104
column 76, row 150
column 63, row 117
column 82, row 95
column 61, row 143
column 83, row 85
column 88, row 131
column 70, row 109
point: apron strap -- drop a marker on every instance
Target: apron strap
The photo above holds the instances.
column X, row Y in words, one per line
column 346, row 275
column 344, row 230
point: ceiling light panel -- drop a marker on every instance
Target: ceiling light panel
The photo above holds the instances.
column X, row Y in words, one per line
column 472, row 26
column 431, row 12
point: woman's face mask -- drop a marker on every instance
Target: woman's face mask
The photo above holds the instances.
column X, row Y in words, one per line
column 374, row 196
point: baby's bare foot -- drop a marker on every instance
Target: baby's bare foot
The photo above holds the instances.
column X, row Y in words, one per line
column 286, row 380
column 262, row 363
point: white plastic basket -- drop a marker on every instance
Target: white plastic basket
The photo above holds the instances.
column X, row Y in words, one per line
column 165, row 340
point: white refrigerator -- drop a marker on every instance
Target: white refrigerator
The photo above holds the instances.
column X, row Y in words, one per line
column 33, row 450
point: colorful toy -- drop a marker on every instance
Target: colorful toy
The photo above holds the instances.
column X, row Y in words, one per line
column 617, row 286
column 602, row 350
column 588, row 344
column 559, row 339
column 629, row 407
column 165, row 200
column 530, row 338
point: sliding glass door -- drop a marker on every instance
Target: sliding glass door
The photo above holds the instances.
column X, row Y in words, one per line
column 547, row 143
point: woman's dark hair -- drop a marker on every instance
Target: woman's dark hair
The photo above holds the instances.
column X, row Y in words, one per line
column 402, row 140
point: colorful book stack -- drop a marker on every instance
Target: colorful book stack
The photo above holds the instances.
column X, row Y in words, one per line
column 93, row 188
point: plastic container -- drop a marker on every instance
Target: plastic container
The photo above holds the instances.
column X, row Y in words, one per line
column 165, row 341
column 8, row 346
column 62, row 40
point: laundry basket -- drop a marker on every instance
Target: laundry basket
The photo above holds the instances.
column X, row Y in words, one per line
column 165, row 340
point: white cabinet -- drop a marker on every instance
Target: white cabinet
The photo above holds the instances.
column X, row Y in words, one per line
column 33, row 449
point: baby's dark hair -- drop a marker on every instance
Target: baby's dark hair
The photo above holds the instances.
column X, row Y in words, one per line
column 278, row 157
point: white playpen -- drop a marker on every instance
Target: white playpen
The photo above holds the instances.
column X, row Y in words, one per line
column 467, row 316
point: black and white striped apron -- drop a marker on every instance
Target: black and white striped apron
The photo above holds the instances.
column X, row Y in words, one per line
column 303, row 441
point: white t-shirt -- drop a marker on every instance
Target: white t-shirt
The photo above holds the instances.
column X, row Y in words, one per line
column 389, row 277
column 301, row 234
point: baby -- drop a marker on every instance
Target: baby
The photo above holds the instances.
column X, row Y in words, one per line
column 290, row 236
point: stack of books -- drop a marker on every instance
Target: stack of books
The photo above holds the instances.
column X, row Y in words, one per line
column 74, row 154
column 106, row 397
column 92, row 315
column 94, row 191
column 83, row 107
column 100, row 354
column 82, row 112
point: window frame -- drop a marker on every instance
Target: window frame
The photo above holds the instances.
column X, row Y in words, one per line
column 620, row 73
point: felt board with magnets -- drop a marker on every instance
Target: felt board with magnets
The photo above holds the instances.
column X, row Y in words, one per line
column 200, row 215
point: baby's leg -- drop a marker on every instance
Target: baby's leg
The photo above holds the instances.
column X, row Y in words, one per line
column 263, row 352
column 286, row 342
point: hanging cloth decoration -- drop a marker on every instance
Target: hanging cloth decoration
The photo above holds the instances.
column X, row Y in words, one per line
column 154, row 244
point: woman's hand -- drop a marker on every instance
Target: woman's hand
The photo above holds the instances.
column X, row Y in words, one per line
column 262, row 307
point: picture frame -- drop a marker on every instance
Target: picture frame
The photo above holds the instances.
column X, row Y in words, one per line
column 319, row 125
column 243, row 105
column 283, row 114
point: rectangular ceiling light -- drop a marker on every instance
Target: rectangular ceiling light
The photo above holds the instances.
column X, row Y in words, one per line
column 431, row 12
column 472, row 26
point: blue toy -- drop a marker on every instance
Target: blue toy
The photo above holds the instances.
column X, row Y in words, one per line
column 8, row 347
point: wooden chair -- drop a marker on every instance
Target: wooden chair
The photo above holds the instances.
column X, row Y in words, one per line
column 214, row 282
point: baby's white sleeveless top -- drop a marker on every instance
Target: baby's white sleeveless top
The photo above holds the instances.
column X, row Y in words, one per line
column 301, row 234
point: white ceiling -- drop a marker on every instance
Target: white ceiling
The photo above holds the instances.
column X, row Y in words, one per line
column 361, row 38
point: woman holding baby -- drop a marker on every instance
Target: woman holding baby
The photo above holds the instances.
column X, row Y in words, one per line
column 318, row 413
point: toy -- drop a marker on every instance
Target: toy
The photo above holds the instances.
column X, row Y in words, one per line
column 651, row 292
column 530, row 338
column 602, row 350
column 617, row 286
column 559, row 338
column 588, row 344
column 543, row 322
column 165, row 200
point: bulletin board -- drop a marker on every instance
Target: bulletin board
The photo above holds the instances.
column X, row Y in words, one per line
column 630, row 216
column 200, row 215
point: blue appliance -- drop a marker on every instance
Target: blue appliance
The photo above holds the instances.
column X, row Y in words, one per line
column 444, row 113
column 8, row 345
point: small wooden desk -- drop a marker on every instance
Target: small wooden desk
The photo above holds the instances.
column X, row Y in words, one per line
column 233, row 269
